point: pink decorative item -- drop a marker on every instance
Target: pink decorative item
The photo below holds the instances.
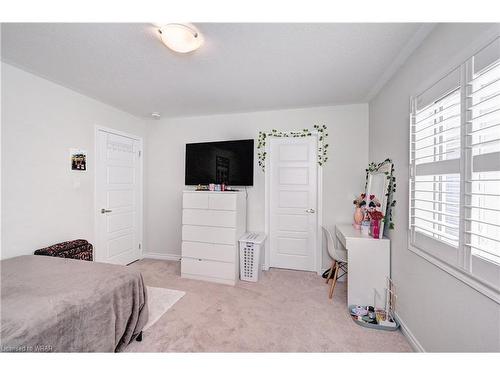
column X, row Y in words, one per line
column 376, row 229
column 375, row 216
column 358, row 217
column 359, row 212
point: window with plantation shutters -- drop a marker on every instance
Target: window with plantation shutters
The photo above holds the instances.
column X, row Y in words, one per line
column 435, row 168
column 455, row 170
column 482, row 172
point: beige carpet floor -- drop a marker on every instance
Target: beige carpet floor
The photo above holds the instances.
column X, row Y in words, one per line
column 286, row 311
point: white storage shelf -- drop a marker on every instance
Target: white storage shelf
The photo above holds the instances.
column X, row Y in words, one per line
column 212, row 223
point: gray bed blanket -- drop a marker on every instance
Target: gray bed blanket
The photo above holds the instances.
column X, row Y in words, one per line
column 66, row 305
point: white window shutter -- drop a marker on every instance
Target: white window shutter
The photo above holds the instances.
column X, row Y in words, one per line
column 455, row 169
column 435, row 161
column 482, row 195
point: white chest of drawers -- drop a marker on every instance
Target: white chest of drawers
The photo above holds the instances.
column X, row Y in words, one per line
column 212, row 223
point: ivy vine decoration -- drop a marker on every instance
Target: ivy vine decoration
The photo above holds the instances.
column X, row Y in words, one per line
column 391, row 202
column 321, row 130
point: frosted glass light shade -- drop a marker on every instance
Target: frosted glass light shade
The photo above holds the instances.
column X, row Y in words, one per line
column 180, row 38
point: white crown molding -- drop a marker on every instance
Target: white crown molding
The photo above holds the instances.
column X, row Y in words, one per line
column 415, row 41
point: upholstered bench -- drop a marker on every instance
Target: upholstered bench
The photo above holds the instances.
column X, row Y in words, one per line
column 77, row 249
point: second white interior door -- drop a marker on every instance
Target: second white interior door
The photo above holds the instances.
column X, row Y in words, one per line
column 293, row 216
column 118, row 198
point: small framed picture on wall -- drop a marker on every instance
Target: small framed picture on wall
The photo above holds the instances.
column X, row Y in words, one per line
column 78, row 159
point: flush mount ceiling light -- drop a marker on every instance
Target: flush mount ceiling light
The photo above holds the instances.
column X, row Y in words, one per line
column 180, row 37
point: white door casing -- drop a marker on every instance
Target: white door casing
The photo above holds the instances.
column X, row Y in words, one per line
column 118, row 188
column 292, row 189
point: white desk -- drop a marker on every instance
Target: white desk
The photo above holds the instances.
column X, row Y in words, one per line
column 368, row 264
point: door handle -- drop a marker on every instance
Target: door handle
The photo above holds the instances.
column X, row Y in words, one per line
column 310, row 211
column 104, row 211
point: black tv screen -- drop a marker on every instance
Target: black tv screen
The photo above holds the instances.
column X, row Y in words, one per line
column 228, row 162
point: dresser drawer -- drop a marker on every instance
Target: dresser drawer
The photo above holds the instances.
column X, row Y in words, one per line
column 222, row 201
column 209, row 217
column 195, row 200
column 196, row 233
column 210, row 251
column 208, row 268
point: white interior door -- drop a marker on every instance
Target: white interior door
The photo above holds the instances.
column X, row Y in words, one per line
column 293, row 190
column 118, row 198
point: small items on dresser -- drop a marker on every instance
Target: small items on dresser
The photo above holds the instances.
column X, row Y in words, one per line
column 216, row 187
column 76, row 249
column 201, row 187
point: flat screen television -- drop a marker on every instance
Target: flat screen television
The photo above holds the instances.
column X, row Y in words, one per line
column 228, row 162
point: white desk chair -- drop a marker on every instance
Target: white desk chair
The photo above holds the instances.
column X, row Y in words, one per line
column 339, row 260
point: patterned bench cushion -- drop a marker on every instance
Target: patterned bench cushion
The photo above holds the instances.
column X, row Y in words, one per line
column 77, row 249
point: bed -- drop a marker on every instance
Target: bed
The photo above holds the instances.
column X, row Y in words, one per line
column 51, row 304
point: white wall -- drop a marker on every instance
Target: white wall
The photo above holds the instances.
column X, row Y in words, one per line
column 343, row 174
column 43, row 202
column 441, row 312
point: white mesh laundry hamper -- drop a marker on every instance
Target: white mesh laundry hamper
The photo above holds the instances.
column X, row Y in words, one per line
column 251, row 256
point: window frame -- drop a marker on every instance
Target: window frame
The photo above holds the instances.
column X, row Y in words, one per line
column 462, row 268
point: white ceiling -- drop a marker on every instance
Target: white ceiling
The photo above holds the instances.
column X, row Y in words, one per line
column 240, row 68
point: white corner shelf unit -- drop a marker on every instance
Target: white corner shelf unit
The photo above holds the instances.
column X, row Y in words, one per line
column 212, row 224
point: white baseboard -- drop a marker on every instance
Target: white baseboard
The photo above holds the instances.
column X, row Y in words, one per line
column 162, row 256
column 415, row 344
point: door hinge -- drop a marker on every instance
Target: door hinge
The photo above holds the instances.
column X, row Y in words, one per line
column 139, row 246
column 140, row 153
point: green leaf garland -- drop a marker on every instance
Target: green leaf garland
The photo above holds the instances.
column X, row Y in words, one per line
column 321, row 130
column 391, row 202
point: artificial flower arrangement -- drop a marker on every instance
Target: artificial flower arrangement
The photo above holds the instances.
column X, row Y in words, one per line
column 360, row 201
column 375, row 215
column 368, row 214
column 374, row 203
